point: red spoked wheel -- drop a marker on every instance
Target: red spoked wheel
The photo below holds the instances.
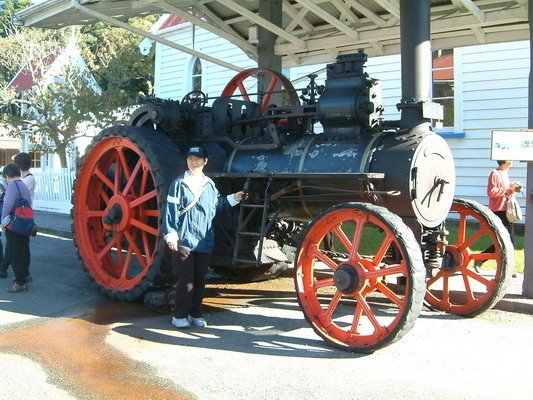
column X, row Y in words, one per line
column 359, row 277
column 119, row 195
column 461, row 287
column 246, row 82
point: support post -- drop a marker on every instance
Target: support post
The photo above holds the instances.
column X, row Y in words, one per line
column 271, row 10
column 527, row 286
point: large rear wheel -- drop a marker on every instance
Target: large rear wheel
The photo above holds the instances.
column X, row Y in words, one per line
column 119, row 197
column 461, row 287
column 274, row 84
column 359, row 277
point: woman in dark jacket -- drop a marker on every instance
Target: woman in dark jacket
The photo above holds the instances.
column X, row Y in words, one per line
column 192, row 202
column 18, row 245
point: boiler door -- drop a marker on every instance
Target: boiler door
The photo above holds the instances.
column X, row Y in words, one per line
column 432, row 181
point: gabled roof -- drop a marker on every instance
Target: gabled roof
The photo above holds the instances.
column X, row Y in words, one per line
column 172, row 20
column 25, row 79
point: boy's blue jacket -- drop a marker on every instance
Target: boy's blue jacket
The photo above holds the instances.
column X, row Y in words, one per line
column 194, row 227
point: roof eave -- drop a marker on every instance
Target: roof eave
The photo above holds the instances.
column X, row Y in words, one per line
column 38, row 12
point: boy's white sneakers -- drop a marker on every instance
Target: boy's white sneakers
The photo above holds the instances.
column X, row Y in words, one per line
column 181, row 322
column 198, row 322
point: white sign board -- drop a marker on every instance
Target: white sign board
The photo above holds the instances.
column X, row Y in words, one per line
column 512, row 145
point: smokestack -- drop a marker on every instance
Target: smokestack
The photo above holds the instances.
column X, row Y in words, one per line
column 416, row 61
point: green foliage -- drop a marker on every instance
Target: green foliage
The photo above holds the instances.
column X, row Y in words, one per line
column 63, row 109
column 115, row 60
column 8, row 8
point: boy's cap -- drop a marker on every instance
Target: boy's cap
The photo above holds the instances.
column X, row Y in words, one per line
column 198, row 151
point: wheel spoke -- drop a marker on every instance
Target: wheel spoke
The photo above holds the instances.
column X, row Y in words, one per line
column 325, row 259
column 144, row 181
column 472, row 239
column 268, row 94
column 107, row 248
column 103, row 195
column 104, row 179
column 383, row 249
column 445, row 289
column 469, row 292
column 439, row 275
column 95, row 213
column 488, row 283
column 151, row 213
column 332, row 306
column 243, row 91
column 370, row 314
column 118, row 241
column 146, row 246
column 342, row 237
column 116, row 180
column 144, row 227
column 133, row 245
column 356, row 241
column 123, row 163
column 399, row 269
column 144, row 198
column 126, row 265
column 461, row 229
column 132, row 178
column 356, row 318
column 390, row 295
column 321, row 283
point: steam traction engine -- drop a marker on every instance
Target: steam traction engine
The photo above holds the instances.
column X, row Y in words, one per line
column 360, row 208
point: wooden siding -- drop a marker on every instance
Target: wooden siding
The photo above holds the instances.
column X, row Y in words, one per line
column 493, row 95
column 173, row 67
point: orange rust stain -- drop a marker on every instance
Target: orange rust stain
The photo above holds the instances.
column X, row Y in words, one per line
column 76, row 350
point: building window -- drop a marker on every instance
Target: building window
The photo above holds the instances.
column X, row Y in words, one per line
column 197, row 75
column 35, row 159
column 6, row 156
column 443, row 86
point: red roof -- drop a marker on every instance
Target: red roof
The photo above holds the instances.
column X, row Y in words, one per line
column 446, row 63
column 24, row 79
column 172, row 20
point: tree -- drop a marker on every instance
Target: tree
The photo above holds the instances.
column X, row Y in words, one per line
column 63, row 108
column 113, row 55
column 60, row 104
column 7, row 9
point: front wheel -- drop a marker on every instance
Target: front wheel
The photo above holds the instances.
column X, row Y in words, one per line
column 359, row 277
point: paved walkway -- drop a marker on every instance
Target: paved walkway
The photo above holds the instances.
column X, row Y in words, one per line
column 513, row 301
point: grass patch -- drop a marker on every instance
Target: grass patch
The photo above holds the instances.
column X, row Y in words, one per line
column 484, row 242
column 372, row 238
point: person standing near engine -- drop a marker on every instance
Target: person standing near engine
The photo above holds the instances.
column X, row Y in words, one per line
column 499, row 188
column 192, row 202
